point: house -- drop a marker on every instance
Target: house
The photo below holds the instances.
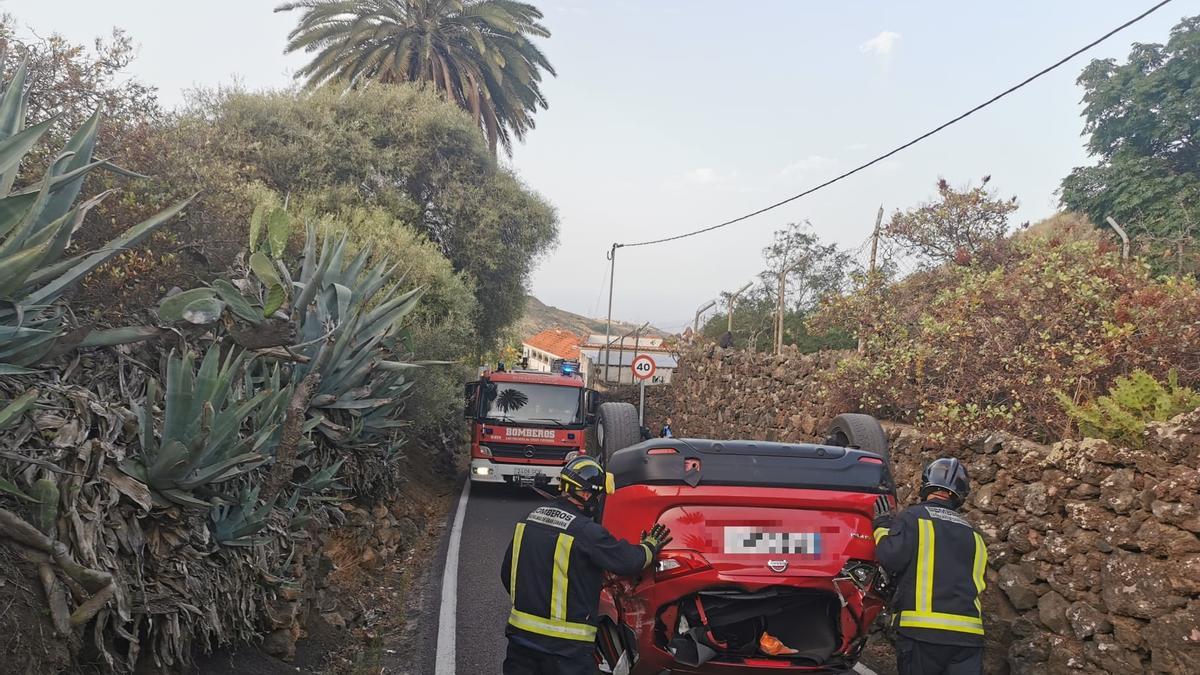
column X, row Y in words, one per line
column 621, row 352
column 553, row 343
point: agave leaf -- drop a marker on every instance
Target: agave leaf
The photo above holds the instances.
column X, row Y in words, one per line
column 12, row 103
column 180, row 410
column 7, row 369
column 119, row 336
column 359, row 404
column 184, row 499
column 131, row 237
column 12, row 413
column 11, row 489
column 19, row 266
column 264, row 269
column 203, row 311
column 13, row 210
column 236, row 301
column 66, row 226
column 171, row 308
column 20, row 236
column 81, row 145
column 168, row 465
column 207, row 475
column 278, row 229
column 14, row 148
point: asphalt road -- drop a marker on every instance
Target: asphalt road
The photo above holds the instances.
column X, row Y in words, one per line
column 480, row 604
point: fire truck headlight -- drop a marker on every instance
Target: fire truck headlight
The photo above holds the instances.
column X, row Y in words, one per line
column 485, row 451
column 482, row 470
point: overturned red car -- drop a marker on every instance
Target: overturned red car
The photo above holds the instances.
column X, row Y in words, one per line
column 772, row 565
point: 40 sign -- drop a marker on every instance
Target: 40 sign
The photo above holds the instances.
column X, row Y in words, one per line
column 643, row 367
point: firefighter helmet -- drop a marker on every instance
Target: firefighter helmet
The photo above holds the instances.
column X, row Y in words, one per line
column 584, row 481
column 949, row 474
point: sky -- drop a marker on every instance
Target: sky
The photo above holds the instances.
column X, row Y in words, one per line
column 672, row 115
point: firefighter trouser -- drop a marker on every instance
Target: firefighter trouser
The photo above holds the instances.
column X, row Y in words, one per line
column 926, row 658
column 523, row 660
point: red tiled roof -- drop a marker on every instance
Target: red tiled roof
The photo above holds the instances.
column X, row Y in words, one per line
column 562, row 343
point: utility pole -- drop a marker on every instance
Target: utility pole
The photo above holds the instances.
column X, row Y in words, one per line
column 696, row 321
column 862, row 343
column 732, row 301
column 612, row 256
column 1124, row 238
column 779, row 311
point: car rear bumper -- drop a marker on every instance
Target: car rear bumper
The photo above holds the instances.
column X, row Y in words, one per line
column 487, row 471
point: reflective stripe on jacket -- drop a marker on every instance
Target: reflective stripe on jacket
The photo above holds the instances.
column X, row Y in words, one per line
column 552, row 572
column 938, row 561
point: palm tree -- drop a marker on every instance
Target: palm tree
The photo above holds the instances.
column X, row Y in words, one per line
column 475, row 52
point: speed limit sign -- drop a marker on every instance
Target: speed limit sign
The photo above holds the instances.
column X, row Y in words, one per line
column 643, row 367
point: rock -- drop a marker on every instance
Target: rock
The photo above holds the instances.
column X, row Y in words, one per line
column 1128, row 631
column 1037, row 499
column 1111, row 657
column 1052, row 611
column 1086, row 620
column 408, row 531
column 1018, row 584
column 369, row 559
column 335, row 620
column 1174, row 640
column 280, row 644
column 1165, row 540
column 1138, row 586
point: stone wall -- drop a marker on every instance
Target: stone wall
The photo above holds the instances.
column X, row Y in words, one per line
column 1094, row 549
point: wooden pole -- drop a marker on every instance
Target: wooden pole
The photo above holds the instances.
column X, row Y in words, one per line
column 862, row 343
column 1124, row 238
column 779, row 311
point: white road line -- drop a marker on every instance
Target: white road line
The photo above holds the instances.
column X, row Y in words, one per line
column 448, row 617
column 863, row 670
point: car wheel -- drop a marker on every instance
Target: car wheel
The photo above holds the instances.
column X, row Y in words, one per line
column 853, row 430
column 616, row 428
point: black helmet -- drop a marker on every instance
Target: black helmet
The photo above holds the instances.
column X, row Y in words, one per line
column 946, row 473
column 584, row 474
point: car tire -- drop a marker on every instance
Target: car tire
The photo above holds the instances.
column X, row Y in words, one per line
column 617, row 428
column 854, row 430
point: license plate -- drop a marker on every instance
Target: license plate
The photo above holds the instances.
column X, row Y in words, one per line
column 752, row 540
column 527, row 472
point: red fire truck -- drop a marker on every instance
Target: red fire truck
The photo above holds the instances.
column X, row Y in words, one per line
column 525, row 423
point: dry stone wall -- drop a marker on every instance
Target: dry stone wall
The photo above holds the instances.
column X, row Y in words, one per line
column 1094, row 549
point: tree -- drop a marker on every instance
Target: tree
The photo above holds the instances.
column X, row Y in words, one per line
column 397, row 148
column 477, row 53
column 810, row 271
column 957, row 227
column 1143, row 129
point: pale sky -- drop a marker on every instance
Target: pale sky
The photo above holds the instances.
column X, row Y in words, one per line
column 672, row 115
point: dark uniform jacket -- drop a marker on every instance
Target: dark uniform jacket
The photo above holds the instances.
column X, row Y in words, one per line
column 937, row 560
column 552, row 571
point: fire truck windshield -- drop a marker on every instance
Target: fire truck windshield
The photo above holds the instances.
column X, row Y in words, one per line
column 537, row 403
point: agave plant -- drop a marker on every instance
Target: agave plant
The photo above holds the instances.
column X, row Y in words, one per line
column 236, row 524
column 201, row 443
column 36, row 225
column 346, row 314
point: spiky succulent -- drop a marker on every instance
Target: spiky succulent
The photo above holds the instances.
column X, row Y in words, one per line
column 36, row 224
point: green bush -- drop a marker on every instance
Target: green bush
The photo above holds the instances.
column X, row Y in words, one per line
column 966, row 349
column 1122, row 414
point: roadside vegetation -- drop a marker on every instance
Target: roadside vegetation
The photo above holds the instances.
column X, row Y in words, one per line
column 217, row 325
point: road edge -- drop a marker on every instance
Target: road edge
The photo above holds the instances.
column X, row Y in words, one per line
column 447, row 648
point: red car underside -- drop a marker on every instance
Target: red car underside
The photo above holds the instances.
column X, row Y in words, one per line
column 768, row 538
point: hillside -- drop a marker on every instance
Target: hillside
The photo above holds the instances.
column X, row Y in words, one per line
column 540, row 316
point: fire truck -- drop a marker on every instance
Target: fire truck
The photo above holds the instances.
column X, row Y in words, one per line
column 526, row 424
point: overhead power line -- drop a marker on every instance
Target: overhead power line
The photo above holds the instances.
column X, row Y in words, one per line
column 914, row 141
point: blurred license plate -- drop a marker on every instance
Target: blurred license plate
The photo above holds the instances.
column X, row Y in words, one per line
column 751, row 540
column 527, row 472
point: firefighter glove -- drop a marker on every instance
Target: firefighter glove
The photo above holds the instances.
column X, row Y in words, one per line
column 883, row 512
column 658, row 537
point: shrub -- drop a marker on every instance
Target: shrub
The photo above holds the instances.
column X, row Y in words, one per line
column 966, row 349
column 1122, row 414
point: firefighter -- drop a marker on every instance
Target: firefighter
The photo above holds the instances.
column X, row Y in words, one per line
column 937, row 560
column 552, row 572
